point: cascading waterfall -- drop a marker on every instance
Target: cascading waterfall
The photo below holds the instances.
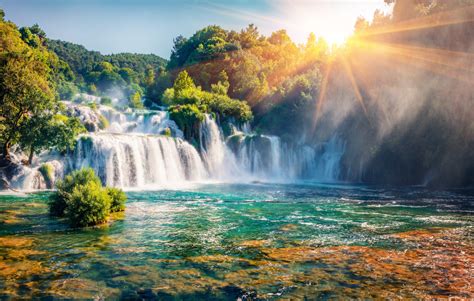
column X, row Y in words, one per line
column 139, row 122
column 266, row 158
column 218, row 158
column 128, row 160
column 133, row 152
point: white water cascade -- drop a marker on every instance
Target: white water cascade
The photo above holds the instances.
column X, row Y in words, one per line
column 134, row 152
column 266, row 158
column 127, row 160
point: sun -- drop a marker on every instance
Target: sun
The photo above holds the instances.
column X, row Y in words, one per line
column 335, row 38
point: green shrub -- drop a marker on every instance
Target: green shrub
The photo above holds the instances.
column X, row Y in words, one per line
column 57, row 205
column 103, row 122
column 166, row 132
column 106, row 101
column 82, row 199
column 92, row 105
column 187, row 117
column 66, row 186
column 135, row 101
column 88, row 205
column 47, row 171
column 117, row 198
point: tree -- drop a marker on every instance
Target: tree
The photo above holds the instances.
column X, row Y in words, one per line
column 279, row 37
column 249, row 37
column 136, row 101
column 183, row 81
column 81, row 198
column 360, row 25
column 222, row 86
column 46, row 132
column 26, row 87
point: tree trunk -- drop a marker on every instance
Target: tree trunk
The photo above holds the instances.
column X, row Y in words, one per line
column 5, row 159
column 6, row 151
column 32, row 153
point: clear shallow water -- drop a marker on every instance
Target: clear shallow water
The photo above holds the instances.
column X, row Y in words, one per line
column 262, row 241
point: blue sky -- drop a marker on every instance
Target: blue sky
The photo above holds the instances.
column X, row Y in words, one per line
column 149, row 26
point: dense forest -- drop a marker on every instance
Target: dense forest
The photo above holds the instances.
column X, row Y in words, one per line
column 399, row 91
column 99, row 74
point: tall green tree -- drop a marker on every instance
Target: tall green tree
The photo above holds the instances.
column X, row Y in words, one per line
column 26, row 86
column 29, row 104
column 46, row 132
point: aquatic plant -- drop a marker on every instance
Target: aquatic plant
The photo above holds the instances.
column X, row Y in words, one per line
column 58, row 203
column 118, row 199
column 83, row 200
column 88, row 205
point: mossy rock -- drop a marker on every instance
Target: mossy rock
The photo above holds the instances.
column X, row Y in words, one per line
column 47, row 171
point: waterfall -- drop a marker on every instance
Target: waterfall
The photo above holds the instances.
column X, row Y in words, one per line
column 329, row 161
column 127, row 160
column 143, row 122
column 133, row 152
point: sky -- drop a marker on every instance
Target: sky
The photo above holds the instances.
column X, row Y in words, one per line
column 149, row 26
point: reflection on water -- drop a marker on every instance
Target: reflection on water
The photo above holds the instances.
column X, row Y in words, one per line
column 249, row 241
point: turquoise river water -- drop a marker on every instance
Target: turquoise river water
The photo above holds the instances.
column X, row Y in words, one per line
column 253, row 241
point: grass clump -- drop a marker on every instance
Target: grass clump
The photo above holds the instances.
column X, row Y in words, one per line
column 47, row 171
column 83, row 200
column 103, row 122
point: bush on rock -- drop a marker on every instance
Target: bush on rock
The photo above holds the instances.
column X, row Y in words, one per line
column 83, row 200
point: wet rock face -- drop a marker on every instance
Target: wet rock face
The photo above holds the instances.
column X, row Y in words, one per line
column 4, row 184
column 89, row 117
column 8, row 171
column 16, row 176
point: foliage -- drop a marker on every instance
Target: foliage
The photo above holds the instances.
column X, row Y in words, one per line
column 66, row 186
column 106, row 101
column 67, row 90
column 136, row 101
column 103, row 122
column 30, row 111
column 244, row 65
column 82, row 199
column 46, row 132
column 183, row 82
column 58, row 201
column 185, row 92
column 118, row 199
column 88, row 205
column 187, row 117
column 100, row 74
column 47, row 171
column 167, row 132
column 92, row 105
column 293, row 101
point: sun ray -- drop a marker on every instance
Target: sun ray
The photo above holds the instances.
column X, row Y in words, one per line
column 445, row 65
column 366, row 87
column 453, row 59
column 451, row 17
column 322, row 94
column 355, row 87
